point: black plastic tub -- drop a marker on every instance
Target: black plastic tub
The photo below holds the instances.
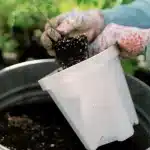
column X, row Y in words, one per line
column 143, row 75
column 29, row 119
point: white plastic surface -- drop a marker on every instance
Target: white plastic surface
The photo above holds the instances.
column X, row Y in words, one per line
column 94, row 97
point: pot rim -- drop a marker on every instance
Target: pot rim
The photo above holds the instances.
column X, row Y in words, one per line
column 2, row 147
column 27, row 63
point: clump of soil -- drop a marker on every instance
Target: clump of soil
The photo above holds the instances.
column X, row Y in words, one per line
column 71, row 50
column 41, row 126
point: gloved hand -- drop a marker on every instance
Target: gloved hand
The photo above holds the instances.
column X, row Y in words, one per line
column 90, row 23
column 131, row 40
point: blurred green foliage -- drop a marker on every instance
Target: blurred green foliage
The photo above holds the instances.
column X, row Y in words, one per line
column 129, row 65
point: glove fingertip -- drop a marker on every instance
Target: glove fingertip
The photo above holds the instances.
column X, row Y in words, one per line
column 51, row 53
column 65, row 27
column 47, row 25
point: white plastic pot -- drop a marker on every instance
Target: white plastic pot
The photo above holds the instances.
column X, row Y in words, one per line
column 94, row 97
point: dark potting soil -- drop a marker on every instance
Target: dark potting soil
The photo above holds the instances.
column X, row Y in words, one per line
column 71, row 50
column 43, row 127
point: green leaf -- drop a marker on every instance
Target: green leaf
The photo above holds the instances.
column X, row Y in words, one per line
column 129, row 65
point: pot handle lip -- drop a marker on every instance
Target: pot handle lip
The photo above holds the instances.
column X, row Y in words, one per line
column 26, row 63
column 3, row 147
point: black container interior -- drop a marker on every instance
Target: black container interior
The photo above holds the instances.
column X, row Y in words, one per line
column 37, row 124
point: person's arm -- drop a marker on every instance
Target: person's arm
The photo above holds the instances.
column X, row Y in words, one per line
column 135, row 14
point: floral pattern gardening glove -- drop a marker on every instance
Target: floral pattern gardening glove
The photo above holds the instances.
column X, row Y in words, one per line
column 131, row 40
column 89, row 23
